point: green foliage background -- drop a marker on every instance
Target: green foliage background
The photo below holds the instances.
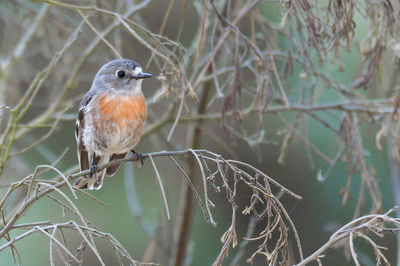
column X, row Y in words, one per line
column 316, row 216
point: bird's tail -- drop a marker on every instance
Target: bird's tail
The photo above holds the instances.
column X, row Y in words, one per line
column 112, row 169
column 96, row 180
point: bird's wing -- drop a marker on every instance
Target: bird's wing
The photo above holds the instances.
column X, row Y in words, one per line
column 83, row 155
column 112, row 169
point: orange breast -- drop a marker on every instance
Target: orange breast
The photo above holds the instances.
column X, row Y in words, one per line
column 122, row 109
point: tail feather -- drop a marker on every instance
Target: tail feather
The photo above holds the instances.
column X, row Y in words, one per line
column 96, row 180
column 112, row 169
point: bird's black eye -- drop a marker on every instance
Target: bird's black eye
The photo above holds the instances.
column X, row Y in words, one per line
column 121, row 74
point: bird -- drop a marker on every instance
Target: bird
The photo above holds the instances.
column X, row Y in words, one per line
column 110, row 120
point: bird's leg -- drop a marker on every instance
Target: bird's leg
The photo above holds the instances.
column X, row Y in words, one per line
column 138, row 156
column 93, row 167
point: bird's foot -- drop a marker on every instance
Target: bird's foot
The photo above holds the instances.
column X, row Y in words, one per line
column 93, row 169
column 138, row 156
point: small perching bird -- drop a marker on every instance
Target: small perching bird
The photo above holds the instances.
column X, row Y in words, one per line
column 111, row 119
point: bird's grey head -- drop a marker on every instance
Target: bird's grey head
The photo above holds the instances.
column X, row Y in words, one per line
column 123, row 75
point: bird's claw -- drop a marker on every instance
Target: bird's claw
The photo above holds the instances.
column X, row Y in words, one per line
column 93, row 169
column 138, row 157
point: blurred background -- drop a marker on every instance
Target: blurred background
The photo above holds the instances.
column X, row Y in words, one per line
column 316, row 111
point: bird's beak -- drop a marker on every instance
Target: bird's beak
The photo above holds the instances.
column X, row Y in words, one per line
column 144, row 75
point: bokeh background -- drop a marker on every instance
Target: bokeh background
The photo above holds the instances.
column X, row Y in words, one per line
column 135, row 211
